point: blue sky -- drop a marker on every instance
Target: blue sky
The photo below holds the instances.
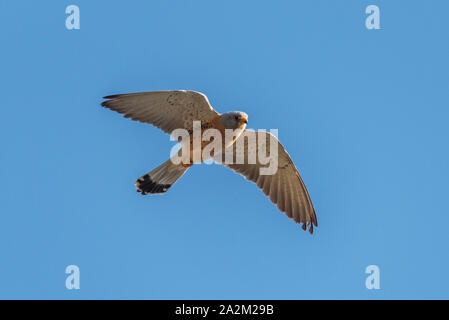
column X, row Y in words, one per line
column 363, row 113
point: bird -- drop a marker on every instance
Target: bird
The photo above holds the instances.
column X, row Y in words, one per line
column 179, row 109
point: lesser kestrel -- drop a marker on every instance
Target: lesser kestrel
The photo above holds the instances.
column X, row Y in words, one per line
column 170, row 110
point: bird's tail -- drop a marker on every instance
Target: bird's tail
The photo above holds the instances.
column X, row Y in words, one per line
column 160, row 179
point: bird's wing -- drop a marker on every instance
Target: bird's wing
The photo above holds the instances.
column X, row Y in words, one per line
column 285, row 187
column 167, row 110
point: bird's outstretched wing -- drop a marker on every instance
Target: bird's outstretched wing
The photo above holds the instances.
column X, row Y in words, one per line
column 285, row 187
column 167, row 110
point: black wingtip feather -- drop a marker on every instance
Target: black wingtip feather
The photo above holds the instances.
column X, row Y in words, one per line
column 110, row 99
column 112, row 96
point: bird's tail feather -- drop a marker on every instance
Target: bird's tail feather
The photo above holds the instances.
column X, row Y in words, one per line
column 160, row 179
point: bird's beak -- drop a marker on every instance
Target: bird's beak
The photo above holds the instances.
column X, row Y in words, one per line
column 243, row 120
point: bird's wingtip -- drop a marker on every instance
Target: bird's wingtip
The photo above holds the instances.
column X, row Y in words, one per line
column 112, row 96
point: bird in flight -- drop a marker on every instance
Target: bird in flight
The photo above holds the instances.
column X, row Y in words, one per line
column 170, row 110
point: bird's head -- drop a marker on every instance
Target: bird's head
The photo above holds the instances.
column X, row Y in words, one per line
column 234, row 120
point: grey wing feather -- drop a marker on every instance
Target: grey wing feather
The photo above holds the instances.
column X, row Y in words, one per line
column 285, row 188
column 167, row 110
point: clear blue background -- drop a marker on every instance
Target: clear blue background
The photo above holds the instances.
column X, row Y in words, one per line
column 363, row 113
